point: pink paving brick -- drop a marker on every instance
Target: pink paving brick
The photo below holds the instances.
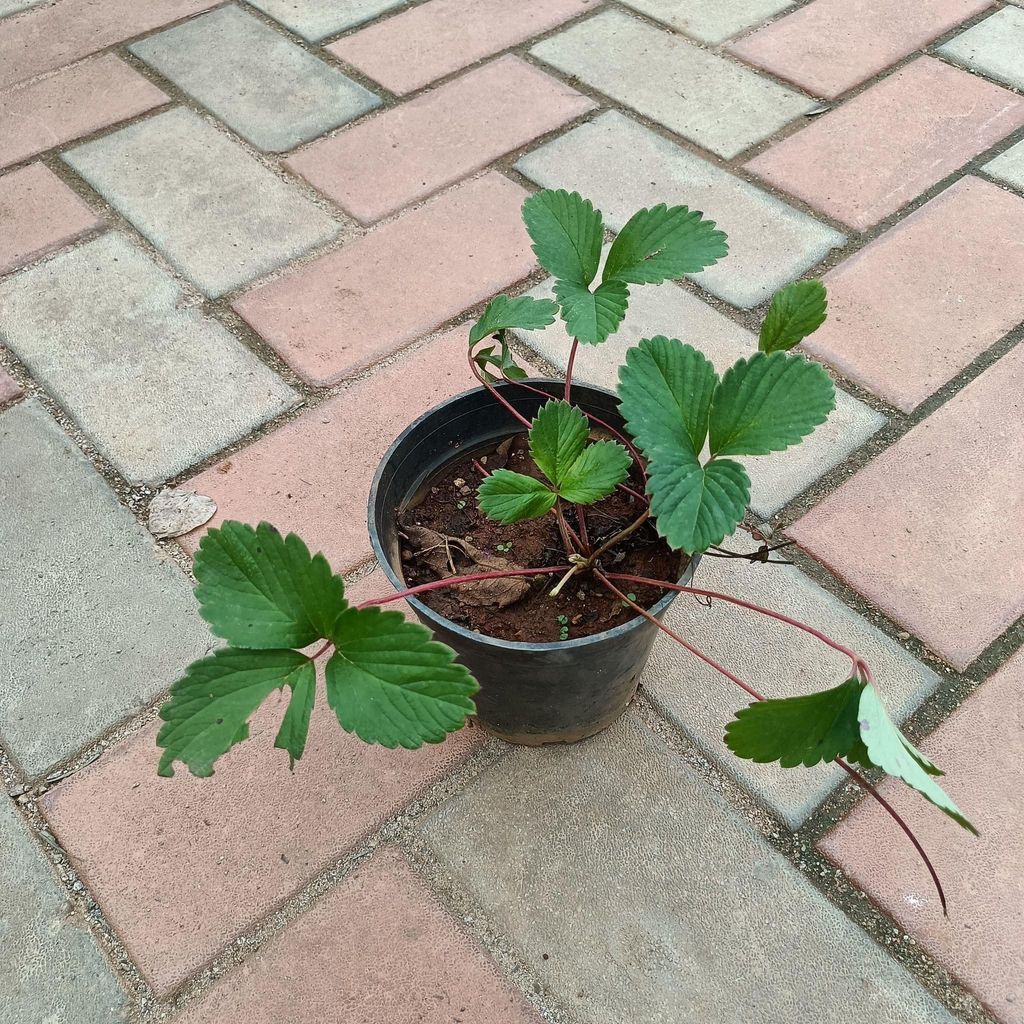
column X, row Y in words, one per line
column 874, row 154
column 38, row 213
column 41, row 115
column 416, row 47
column 830, row 46
column 930, row 530
column 982, row 941
column 377, row 948
column 10, row 389
column 404, row 154
column 915, row 306
column 354, row 306
column 58, row 34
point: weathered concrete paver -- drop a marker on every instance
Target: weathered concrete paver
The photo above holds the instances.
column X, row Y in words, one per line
column 262, row 85
column 426, row 42
column 51, row 969
column 869, row 157
column 927, row 278
column 214, row 211
column 622, row 166
column 710, row 20
column 830, row 46
column 1009, row 166
column 317, row 19
column 10, row 389
column 38, row 213
column 101, row 622
column 412, row 150
column 924, row 531
column 617, row 861
column 405, row 962
column 76, row 101
column 774, row 658
column 157, row 386
column 712, row 101
column 982, row 941
column 994, row 47
column 357, row 304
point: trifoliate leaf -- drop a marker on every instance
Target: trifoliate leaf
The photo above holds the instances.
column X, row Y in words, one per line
column 665, row 389
column 601, row 467
column 567, row 232
column 209, row 708
column 390, row 683
column 509, row 497
column 295, row 724
column 591, row 316
column 258, row 589
column 522, row 312
column 796, row 310
column 662, row 243
column 767, row 403
column 558, row 436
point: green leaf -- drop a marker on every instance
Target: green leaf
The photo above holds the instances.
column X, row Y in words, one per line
column 509, row 497
column 767, row 403
column 567, row 233
column 665, row 390
column 796, row 310
column 662, row 243
column 590, row 316
column 295, row 724
column 209, row 708
column 558, row 436
column 522, row 312
column 798, row 730
column 390, row 683
column 260, row 590
column 600, row 468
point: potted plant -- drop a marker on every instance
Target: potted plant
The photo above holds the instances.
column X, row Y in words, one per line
column 540, row 529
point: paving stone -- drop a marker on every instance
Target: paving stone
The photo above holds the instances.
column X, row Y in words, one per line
column 269, row 90
column 710, row 20
column 51, row 970
column 59, row 34
column 708, row 99
column 622, row 166
column 645, row 891
column 982, row 942
column 205, row 859
column 102, row 621
column 874, row 154
column 830, row 46
column 155, row 384
column 38, row 116
column 426, row 42
column 670, row 310
column 774, row 658
column 38, row 213
column 214, row 211
column 994, row 47
column 10, row 389
column 1008, row 166
column 411, row 150
column 927, row 278
column 920, row 531
column 293, row 477
column 317, row 19
column 355, row 305
column 406, row 962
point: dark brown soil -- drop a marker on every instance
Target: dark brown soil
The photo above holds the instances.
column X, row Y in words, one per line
column 444, row 533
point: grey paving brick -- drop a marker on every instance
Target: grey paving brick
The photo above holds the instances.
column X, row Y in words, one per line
column 218, row 215
column 670, row 310
column 51, row 971
column 622, row 167
column 97, row 621
column 156, row 385
column 269, row 90
column 636, row 895
column 1009, row 166
column 317, row 19
column 708, row 99
column 993, row 48
column 774, row 658
column 711, row 21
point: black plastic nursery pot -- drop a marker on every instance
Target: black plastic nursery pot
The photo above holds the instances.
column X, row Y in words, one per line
column 530, row 693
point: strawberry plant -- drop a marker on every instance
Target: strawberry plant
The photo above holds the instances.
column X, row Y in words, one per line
column 686, row 427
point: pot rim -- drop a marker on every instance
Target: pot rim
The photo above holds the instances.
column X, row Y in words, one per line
column 424, row 610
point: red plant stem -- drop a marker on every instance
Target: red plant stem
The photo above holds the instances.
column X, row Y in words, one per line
column 568, row 368
column 454, row 581
column 581, row 517
column 621, row 535
column 482, row 470
column 494, row 391
column 566, row 530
